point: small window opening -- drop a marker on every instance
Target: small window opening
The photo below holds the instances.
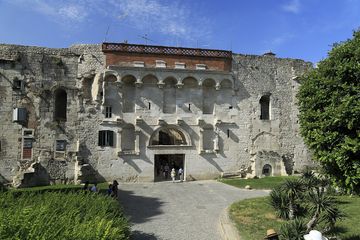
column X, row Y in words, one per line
column 230, row 107
column 27, row 148
column 101, row 94
column 60, row 105
column 189, row 107
column 228, row 133
column 108, row 112
column 60, row 145
column 149, row 105
column 106, row 138
column 18, row 84
column 265, row 107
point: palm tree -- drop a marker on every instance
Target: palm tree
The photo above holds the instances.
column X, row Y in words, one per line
column 322, row 208
column 294, row 191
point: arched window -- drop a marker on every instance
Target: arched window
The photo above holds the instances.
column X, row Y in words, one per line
column 267, row 170
column 169, row 103
column 265, row 107
column 149, row 96
column 60, row 105
column 168, row 136
column 128, row 94
column 190, row 96
column 209, row 96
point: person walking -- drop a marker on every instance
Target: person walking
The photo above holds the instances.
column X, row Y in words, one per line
column 115, row 189
column 173, row 174
column 181, row 172
column 166, row 171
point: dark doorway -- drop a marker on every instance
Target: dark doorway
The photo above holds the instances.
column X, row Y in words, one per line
column 161, row 172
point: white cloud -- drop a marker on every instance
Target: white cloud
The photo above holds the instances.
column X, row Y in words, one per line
column 170, row 18
column 72, row 12
column 276, row 43
column 63, row 12
column 293, row 6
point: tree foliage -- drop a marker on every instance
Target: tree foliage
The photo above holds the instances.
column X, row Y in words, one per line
column 329, row 103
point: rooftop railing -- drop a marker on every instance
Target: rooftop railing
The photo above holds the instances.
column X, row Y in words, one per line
column 149, row 49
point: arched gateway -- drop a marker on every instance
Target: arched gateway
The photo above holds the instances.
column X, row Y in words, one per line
column 165, row 138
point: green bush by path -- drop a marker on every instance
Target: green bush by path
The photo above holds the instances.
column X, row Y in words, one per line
column 260, row 183
column 60, row 215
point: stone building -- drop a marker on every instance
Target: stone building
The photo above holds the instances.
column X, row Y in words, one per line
column 125, row 111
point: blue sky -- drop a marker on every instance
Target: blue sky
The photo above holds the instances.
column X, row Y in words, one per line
column 304, row 29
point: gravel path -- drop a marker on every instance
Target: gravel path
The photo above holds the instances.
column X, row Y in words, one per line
column 179, row 211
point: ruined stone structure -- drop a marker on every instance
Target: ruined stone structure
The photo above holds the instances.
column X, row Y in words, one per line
column 124, row 111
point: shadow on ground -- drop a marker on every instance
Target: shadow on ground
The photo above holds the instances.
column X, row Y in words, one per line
column 137, row 235
column 139, row 208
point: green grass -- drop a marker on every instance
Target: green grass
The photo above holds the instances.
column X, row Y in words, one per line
column 261, row 183
column 60, row 212
column 253, row 217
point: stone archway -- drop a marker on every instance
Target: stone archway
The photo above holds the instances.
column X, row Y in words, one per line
column 267, row 170
column 169, row 135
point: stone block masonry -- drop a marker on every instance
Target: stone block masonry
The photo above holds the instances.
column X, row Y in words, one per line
column 103, row 112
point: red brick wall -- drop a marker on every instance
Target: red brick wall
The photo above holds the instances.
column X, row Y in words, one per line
column 127, row 59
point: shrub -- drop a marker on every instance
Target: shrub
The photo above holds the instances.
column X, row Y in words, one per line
column 307, row 199
column 56, row 215
column 294, row 230
column 280, row 202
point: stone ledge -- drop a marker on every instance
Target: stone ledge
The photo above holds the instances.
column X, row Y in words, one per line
column 129, row 152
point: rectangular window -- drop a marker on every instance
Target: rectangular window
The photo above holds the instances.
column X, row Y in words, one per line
column 108, row 112
column 19, row 115
column 179, row 65
column 106, row 138
column 18, row 85
column 60, row 145
column 160, row 64
column 200, row 66
column 27, row 148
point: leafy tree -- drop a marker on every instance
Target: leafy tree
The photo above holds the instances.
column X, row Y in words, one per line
column 329, row 103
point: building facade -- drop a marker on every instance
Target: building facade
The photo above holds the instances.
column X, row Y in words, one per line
column 125, row 111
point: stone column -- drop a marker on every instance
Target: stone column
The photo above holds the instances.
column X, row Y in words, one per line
column 103, row 91
column 201, row 140
column 137, row 141
column 216, row 140
column 118, row 140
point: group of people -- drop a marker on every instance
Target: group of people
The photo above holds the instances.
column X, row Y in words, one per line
column 165, row 171
column 179, row 172
column 111, row 191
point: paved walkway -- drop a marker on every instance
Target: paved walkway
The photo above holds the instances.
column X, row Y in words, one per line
column 179, row 211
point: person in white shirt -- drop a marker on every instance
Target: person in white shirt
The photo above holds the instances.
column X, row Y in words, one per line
column 173, row 174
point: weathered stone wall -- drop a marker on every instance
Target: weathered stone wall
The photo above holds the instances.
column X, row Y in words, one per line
column 235, row 136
